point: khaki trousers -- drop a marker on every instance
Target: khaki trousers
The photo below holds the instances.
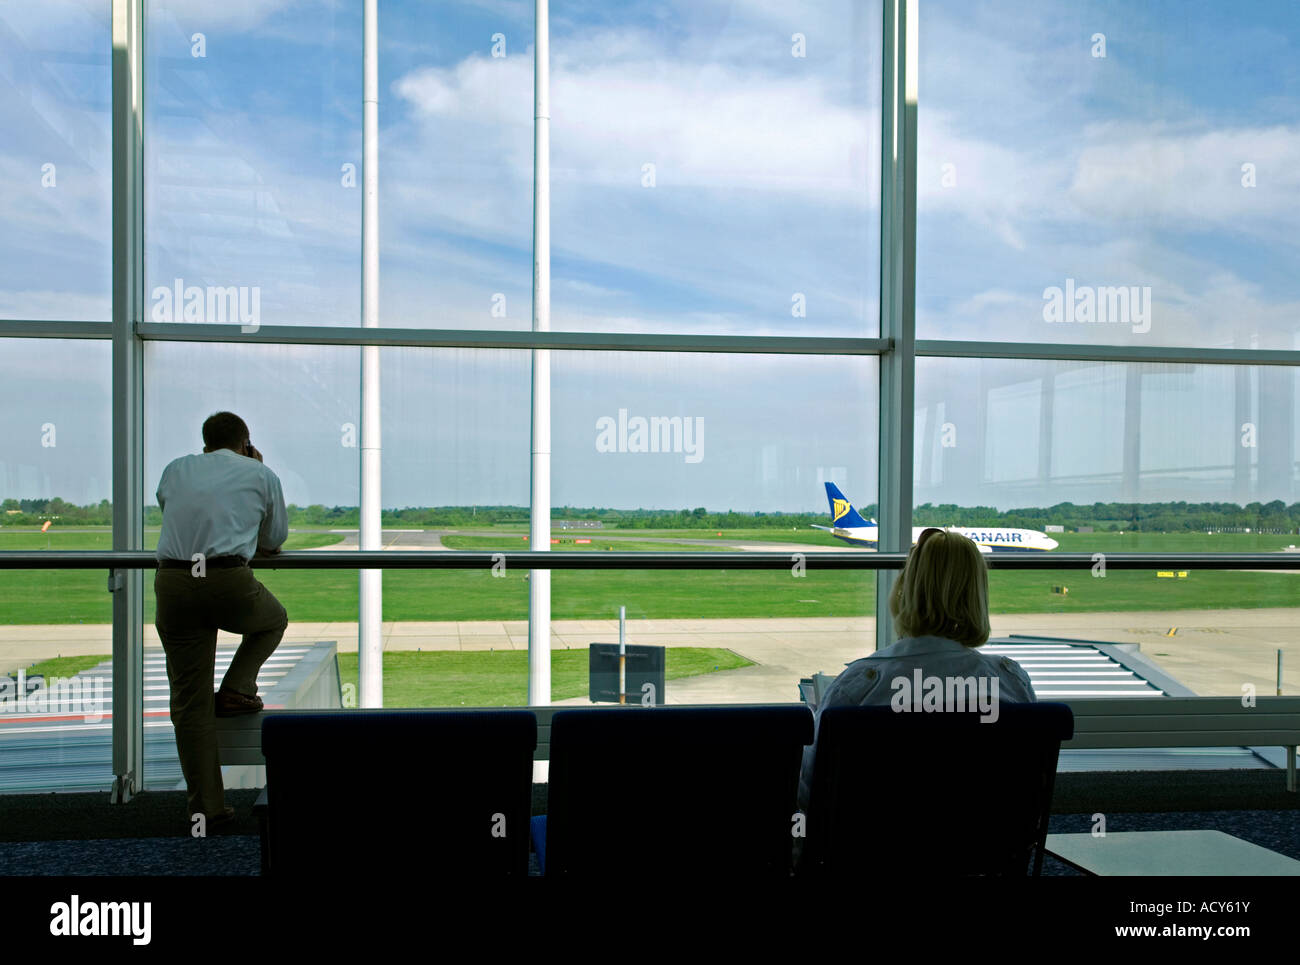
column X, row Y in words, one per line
column 190, row 611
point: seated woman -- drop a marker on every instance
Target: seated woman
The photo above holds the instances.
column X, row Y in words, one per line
column 940, row 605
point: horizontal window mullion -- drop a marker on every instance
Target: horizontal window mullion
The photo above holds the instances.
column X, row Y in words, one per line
column 1053, row 352
column 546, row 560
column 516, row 339
column 35, row 328
column 650, row 342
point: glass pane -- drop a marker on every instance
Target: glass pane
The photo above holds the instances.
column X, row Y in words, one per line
column 1172, row 456
column 456, row 164
column 722, row 453
column 56, row 634
column 1105, row 458
column 300, row 405
column 754, row 434
column 1104, row 173
column 1175, row 631
column 455, row 477
column 454, row 473
column 252, row 163
column 55, row 169
column 727, row 636
column 770, row 188
column 56, row 413
column 255, row 167
column 716, row 168
column 456, row 430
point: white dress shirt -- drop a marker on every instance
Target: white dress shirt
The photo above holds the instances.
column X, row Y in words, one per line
column 220, row 504
column 869, row 681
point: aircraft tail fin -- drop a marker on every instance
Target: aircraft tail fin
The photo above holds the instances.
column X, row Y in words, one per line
column 842, row 512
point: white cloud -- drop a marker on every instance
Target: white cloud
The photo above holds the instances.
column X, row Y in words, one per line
column 757, row 174
column 1191, row 178
column 618, row 102
column 1193, row 302
column 588, row 289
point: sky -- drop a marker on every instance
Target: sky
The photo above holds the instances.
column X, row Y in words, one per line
column 715, row 169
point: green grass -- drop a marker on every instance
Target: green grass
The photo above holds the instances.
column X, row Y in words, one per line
column 1172, row 542
column 79, row 596
column 66, row 666
column 623, row 544
column 500, row 678
column 1025, row 591
column 102, row 539
column 435, row 678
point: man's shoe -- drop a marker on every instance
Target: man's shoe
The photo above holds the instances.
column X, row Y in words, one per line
column 232, row 704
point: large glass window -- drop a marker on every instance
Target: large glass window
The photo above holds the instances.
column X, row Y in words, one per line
column 1109, row 632
column 1086, row 173
column 300, row 403
column 720, row 175
column 252, row 163
column 456, row 165
column 55, row 163
column 750, row 433
column 724, row 453
column 1162, row 446
column 1109, row 457
column 1094, row 172
column 56, row 635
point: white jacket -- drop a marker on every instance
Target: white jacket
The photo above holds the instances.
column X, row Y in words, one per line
column 878, row 680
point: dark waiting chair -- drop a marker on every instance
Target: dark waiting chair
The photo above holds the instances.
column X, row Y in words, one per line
column 671, row 790
column 933, row 793
column 403, row 791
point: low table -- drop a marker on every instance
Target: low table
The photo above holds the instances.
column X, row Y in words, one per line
column 1205, row 853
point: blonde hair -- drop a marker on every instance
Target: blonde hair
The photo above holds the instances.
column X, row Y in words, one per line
column 943, row 590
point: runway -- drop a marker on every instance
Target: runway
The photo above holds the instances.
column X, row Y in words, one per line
column 431, row 539
column 1213, row 652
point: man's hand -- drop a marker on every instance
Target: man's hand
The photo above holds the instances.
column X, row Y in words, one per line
column 263, row 552
column 253, row 453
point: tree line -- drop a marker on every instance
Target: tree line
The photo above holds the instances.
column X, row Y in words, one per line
column 1170, row 517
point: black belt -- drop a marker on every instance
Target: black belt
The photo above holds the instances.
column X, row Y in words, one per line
column 216, row 562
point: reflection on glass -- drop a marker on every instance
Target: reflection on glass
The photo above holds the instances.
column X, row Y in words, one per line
column 55, row 625
column 712, row 433
column 721, row 175
column 252, row 162
column 1157, row 447
column 55, row 163
column 1109, row 632
column 1100, row 174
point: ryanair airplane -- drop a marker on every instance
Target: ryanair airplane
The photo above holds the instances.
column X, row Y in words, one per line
column 849, row 526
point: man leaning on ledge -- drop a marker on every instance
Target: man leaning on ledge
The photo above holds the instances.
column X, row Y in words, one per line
column 219, row 509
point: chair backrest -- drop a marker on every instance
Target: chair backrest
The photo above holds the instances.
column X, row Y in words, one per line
column 399, row 791
column 932, row 793
column 674, row 789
